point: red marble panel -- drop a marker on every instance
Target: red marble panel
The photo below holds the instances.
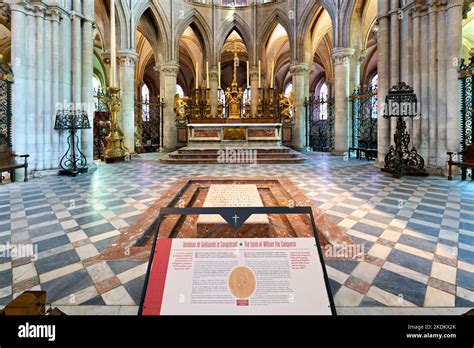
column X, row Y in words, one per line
column 207, row 133
column 261, row 133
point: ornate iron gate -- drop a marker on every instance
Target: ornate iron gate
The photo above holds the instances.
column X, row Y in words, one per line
column 320, row 124
column 364, row 118
column 6, row 81
column 466, row 78
column 148, row 124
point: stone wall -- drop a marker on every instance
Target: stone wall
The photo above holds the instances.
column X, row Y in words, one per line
column 52, row 50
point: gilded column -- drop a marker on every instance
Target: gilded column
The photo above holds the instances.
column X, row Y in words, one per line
column 168, row 77
column 300, row 75
column 342, row 57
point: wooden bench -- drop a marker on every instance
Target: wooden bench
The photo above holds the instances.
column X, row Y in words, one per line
column 8, row 163
column 467, row 162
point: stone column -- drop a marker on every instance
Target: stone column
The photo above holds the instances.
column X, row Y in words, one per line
column 432, row 85
column 341, row 57
column 55, row 83
column 48, row 122
column 440, row 140
column 300, row 75
column 416, row 74
column 76, row 52
column 19, row 56
column 254, row 89
column 168, row 76
column 394, row 56
column 127, row 94
column 87, row 137
column 30, row 126
column 65, row 75
column 39, row 67
column 383, row 52
column 424, row 95
column 453, row 49
column 213, row 88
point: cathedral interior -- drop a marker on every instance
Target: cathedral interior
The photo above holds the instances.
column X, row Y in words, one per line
column 365, row 106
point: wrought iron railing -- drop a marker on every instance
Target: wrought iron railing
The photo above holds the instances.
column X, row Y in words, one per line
column 149, row 124
column 320, row 132
column 364, row 117
column 466, row 80
column 6, row 82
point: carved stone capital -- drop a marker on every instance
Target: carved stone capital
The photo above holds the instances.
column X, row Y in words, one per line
column 300, row 69
column 342, row 55
column 169, row 69
column 127, row 58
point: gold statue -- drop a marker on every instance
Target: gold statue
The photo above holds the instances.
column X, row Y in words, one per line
column 234, row 94
column 287, row 107
column 181, row 108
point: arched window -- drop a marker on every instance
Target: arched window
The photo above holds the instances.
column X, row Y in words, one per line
column 288, row 89
column 96, row 84
column 374, row 84
column 145, row 102
column 323, row 95
column 180, row 91
column 247, row 96
column 375, row 81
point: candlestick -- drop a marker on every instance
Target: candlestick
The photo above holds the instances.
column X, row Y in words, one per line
column 207, row 75
column 259, row 74
column 197, row 76
column 273, row 74
column 219, row 74
column 248, row 74
column 113, row 51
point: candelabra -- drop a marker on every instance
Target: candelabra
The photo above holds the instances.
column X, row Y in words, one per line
column 73, row 162
column 402, row 102
column 116, row 150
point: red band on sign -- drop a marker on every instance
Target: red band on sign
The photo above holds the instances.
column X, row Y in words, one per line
column 157, row 280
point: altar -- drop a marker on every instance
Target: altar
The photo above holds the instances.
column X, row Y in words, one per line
column 238, row 133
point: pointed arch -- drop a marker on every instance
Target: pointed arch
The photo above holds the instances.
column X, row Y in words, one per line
column 275, row 18
column 241, row 27
column 202, row 30
column 308, row 19
column 161, row 23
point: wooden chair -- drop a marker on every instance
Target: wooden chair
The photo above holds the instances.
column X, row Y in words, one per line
column 8, row 163
column 466, row 163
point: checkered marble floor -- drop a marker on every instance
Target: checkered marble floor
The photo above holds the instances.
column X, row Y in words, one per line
column 418, row 233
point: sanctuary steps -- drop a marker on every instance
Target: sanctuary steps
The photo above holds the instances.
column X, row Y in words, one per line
column 234, row 155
